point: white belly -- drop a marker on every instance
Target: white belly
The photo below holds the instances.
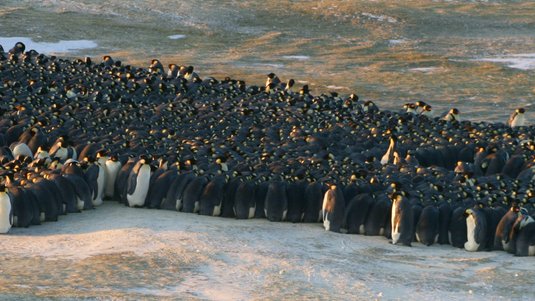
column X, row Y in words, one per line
column 79, row 203
column 395, row 237
column 470, row 245
column 520, row 120
column 61, row 153
column 111, row 169
column 22, row 149
column 251, row 212
column 326, row 224
column 101, row 181
column 217, row 210
column 531, row 251
column 5, row 213
column 506, row 246
column 142, row 187
column 393, row 218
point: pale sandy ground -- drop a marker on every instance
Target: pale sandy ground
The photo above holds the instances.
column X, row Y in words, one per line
column 114, row 252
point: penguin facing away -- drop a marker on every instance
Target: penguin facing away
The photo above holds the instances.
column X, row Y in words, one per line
column 504, row 228
column 314, row 198
column 276, row 203
column 244, row 202
column 427, row 228
column 212, row 197
column 356, row 212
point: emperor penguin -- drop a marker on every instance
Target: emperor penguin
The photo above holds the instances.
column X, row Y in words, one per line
column 58, row 150
column 295, row 192
column 18, row 49
column 102, row 175
column 388, row 157
column 444, row 217
column 313, row 196
column 427, row 229
column 173, row 71
column 6, row 210
column 356, row 213
column 156, row 67
column 190, row 74
column 272, row 80
column 244, row 201
column 517, row 118
column 42, row 154
column 112, row 166
column 504, row 229
column 402, row 220
column 289, row 85
column 212, row 196
column 94, row 175
column 333, row 209
column 138, row 183
column 377, row 216
column 525, row 239
column 21, row 149
column 476, row 229
column 276, row 202
column 192, row 194
column 451, row 115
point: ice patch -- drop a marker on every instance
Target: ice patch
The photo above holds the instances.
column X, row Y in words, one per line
column 48, row 47
column 333, row 87
column 176, row 36
column 296, row 57
column 525, row 61
column 396, row 42
column 380, row 18
column 268, row 65
column 424, row 69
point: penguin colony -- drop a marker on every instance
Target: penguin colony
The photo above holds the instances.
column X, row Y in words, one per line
column 75, row 132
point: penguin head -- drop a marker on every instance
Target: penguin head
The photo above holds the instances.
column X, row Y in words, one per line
column 396, row 196
column 520, row 111
column 189, row 69
column 20, row 47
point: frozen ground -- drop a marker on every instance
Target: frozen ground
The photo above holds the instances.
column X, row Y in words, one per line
column 114, row 252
